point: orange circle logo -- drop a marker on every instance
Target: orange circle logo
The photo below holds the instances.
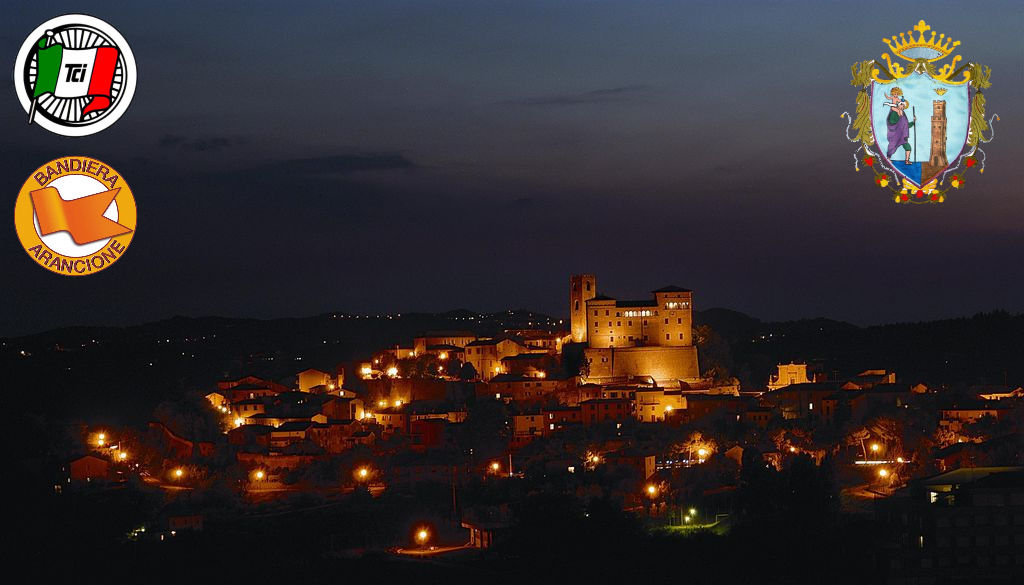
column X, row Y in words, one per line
column 75, row 216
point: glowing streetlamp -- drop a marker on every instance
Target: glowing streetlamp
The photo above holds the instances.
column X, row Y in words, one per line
column 123, row 455
column 702, row 453
column 883, row 472
column 693, row 511
column 652, row 491
column 875, row 447
column 178, row 473
column 422, row 536
column 443, row 355
column 362, row 473
column 238, row 422
column 392, row 371
column 259, row 475
column 495, row 467
column 686, row 519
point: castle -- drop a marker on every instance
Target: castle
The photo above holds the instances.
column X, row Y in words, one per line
column 647, row 338
column 937, row 159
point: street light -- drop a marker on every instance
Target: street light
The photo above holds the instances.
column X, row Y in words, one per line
column 883, row 472
column 422, row 536
column 178, row 473
column 875, row 447
column 652, row 490
column 495, row 467
column 362, row 473
column 122, row 455
column 259, row 475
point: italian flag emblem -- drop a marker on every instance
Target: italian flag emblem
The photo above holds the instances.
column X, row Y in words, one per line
column 76, row 73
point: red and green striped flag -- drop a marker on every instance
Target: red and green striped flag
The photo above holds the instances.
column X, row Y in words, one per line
column 76, row 73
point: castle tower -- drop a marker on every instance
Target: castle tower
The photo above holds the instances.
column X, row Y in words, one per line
column 582, row 288
column 938, row 154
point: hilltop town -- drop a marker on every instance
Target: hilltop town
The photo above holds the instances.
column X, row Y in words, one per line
column 611, row 406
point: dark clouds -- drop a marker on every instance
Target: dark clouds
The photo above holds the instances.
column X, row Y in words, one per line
column 372, row 156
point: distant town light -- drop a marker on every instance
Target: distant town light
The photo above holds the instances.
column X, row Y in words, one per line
column 382, row 403
column 363, row 473
column 422, row 535
column 668, row 408
column 693, row 511
column 443, row 355
column 239, row 421
column 366, row 370
column 259, row 475
column 875, row 447
column 495, row 466
column 398, row 403
column 392, row 371
column 883, row 472
column 652, row 490
column 179, row 472
column 702, row 452
column 122, row 455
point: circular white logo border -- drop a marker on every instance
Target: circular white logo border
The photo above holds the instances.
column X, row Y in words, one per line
column 131, row 74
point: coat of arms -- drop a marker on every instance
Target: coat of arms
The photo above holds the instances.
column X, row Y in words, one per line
column 919, row 124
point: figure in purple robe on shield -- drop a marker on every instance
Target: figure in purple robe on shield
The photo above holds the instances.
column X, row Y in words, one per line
column 899, row 126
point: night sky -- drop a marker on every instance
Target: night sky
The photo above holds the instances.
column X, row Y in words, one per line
column 421, row 156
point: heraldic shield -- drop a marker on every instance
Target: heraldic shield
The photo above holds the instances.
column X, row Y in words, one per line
column 918, row 121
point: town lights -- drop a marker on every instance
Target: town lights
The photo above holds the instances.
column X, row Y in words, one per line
column 398, row 403
column 595, row 459
column 702, row 453
column 899, row 460
column 362, row 473
column 883, row 472
column 668, row 408
column 259, row 475
column 392, row 372
column 693, row 511
column 875, row 447
column 652, row 490
column 239, row 421
column 366, row 370
column 495, row 467
column 178, row 473
column 382, row 403
column 686, row 519
column 443, row 355
column 122, row 455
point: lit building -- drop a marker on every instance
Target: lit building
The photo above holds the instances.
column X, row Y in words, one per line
column 634, row 338
column 486, row 355
column 787, row 375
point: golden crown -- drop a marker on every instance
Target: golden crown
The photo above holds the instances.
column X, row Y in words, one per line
column 941, row 47
column 922, row 52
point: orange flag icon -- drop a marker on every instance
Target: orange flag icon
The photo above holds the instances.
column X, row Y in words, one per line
column 82, row 217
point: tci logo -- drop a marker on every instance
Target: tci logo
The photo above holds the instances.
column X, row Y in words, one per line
column 76, row 72
column 75, row 75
